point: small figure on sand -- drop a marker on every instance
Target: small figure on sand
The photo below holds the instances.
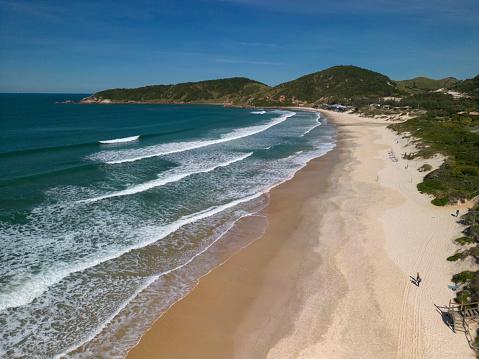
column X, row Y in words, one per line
column 418, row 279
column 457, row 213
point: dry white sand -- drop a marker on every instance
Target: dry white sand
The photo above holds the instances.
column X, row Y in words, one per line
column 377, row 233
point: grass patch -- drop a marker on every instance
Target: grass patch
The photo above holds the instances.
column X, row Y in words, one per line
column 440, row 202
column 455, row 257
column 465, row 240
column 463, row 297
column 425, row 167
column 463, row 277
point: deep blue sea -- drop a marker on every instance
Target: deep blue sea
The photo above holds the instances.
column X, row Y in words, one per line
column 109, row 214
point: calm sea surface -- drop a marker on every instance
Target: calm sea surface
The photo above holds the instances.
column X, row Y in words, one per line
column 109, row 214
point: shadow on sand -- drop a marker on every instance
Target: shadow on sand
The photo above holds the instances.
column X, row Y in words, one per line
column 443, row 312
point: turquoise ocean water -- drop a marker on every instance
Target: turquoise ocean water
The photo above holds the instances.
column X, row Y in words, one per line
column 109, row 214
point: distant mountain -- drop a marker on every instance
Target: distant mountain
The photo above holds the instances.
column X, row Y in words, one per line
column 424, row 84
column 211, row 91
column 339, row 82
column 349, row 85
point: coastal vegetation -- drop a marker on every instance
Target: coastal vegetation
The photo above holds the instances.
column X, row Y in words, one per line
column 450, row 127
column 458, row 177
column 346, row 85
column 338, row 84
column 211, row 91
column 424, row 84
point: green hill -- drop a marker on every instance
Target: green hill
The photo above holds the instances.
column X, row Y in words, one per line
column 424, row 84
column 338, row 82
column 349, row 85
column 211, row 91
column 469, row 86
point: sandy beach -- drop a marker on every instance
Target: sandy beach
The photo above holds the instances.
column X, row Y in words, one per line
column 334, row 274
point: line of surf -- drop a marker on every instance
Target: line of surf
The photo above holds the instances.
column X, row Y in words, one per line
column 151, row 279
column 316, row 125
column 161, row 150
column 168, row 178
column 121, row 140
column 54, row 274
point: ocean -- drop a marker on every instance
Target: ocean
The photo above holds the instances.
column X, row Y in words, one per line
column 109, row 214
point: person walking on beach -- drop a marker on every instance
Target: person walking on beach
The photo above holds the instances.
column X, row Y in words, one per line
column 457, row 213
column 418, row 279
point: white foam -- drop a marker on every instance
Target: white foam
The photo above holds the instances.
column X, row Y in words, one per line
column 312, row 128
column 149, row 282
column 37, row 284
column 260, row 112
column 121, row 140
column 131, row 155
column 99, row 329
column 318, row 117
column 167, row 178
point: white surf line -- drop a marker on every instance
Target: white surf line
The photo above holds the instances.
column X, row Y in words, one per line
column 318, row 117
column 162, row 181
column 151, row 279
column 235, row 135
column 99, row 329
column 121, row 140
column 56, row 275
column 312, row 128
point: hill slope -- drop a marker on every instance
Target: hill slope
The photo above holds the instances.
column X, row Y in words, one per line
column 424, row 84
column 469, row 86
column 340, row 82
column 349, row 85
column 211, row 91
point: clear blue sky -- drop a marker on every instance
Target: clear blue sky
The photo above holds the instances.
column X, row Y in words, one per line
column 87, row 46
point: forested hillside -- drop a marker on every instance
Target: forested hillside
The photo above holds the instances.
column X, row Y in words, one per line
column 347, row 85
column 211, row 91
column 338, row 82
column 424, row 84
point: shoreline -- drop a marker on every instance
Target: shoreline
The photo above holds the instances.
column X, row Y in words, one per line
column 244, row 276
column 333, row 275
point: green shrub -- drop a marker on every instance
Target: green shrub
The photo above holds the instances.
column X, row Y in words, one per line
column 474, row 251
column 455, row 257
column 463, row 277
column 465, row 240
column 441, row 202
column 425, row 167
column 462, row 297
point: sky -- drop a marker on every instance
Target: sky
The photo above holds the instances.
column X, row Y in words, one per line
column 88, row 46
